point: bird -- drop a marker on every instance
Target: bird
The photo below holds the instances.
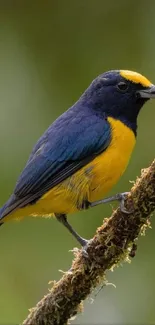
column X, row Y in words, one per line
column 83, row 153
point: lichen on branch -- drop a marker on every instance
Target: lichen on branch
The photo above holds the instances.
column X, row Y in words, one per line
column 113, row 243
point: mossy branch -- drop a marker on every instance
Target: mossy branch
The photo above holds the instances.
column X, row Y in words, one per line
column 113, row 243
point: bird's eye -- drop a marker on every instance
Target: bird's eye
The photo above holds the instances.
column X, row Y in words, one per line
column 122, row 86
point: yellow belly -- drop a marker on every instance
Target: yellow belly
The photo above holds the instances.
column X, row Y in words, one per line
column 92, row 182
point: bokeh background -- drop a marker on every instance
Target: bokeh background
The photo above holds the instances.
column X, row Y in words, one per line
column 49, row 53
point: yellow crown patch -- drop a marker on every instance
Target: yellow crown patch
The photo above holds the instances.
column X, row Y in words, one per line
column 135, row 77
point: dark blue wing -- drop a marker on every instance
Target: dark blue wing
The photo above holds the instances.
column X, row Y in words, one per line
column 70, row 143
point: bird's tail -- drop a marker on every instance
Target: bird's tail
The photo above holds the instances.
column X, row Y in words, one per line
column 1, row 214
column 6, row 209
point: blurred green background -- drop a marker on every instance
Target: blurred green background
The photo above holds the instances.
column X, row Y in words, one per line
column 49, row 53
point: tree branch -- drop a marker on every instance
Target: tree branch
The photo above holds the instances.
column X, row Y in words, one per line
column 113, row 243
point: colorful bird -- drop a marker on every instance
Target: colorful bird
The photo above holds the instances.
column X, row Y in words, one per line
column 83, row 153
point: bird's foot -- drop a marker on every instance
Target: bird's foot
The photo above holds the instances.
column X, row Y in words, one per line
column 83, row 249
column 121, row 197
column 84, row 245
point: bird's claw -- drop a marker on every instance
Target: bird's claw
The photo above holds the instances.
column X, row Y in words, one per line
column 85, row 247
column 122, row 197
column 84, row 252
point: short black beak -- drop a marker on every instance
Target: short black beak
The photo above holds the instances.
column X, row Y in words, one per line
column 147, row 93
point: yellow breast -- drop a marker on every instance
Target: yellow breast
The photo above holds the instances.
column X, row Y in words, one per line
column 110, row 165
column 93, row 181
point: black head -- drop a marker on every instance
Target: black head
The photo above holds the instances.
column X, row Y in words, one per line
column 119, row 94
